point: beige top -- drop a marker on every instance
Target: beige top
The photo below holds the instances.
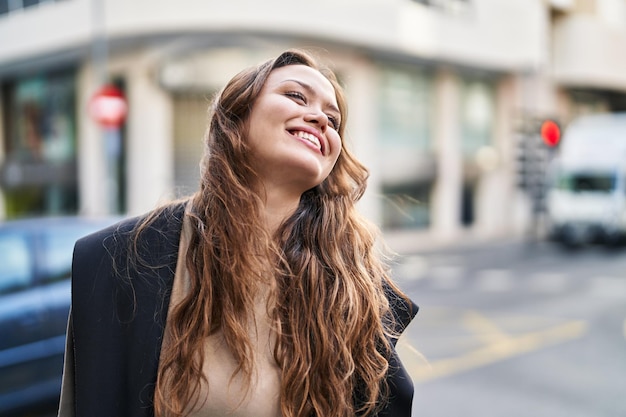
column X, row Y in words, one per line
column 225, row 397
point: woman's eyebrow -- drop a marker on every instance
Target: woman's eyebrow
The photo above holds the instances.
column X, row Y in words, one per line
column 311, row 90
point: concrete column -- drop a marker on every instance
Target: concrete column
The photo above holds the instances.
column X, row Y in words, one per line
column 92, row 175
column 150, row 146
column 446, row 197
column 361, row 91
column 495, row 195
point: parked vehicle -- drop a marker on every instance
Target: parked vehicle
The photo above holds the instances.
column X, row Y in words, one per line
column 35, row 262
column 586, row 198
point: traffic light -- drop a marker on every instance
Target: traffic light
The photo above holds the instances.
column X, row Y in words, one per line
column 532, row 158
column 521, row 160
column 536, row 143
column 550, row 133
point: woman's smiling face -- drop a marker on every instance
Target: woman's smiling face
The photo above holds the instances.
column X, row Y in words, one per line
column 293, row 128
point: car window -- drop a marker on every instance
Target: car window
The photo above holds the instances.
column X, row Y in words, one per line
column 57, row 248
column 15, row 264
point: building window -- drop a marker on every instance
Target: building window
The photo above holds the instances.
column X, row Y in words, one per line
column 448, row 6
column 405, row 108
column 406, row 206
column 588, row 102
column 9, row 6
column 477, row 115
column 405, row 144
column 38, row 174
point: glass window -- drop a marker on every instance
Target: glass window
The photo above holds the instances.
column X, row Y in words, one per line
column 587, row 102
column 11, row 5
column 45, row 128
column 405, row 108
column 588, row 182
column 406, row 206
column 451, row 6
column 477, row 115
column 405, row 145
column 15, row 263
column 39, row 172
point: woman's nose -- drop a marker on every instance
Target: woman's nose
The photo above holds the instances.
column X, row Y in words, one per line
column 317, row 117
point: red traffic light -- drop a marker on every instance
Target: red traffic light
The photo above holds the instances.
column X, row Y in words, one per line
column 550, row 133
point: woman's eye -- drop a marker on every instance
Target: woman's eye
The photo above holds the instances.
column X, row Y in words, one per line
column 296, row 95
column 333, row 122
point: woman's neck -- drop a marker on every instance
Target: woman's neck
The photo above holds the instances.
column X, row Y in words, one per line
column 279, row 207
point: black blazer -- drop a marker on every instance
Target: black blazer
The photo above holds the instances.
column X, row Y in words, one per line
column 116, row 326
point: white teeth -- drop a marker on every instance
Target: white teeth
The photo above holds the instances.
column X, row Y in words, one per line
column 311, row 138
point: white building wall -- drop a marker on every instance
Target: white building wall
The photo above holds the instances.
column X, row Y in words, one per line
column 613, row 13
column 589, row 53
column 490, row 33
column 48, row 29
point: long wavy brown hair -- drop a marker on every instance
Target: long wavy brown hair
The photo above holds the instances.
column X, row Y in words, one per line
column 323, row 266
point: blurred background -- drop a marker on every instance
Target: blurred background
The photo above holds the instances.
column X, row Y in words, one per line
column 462, row 110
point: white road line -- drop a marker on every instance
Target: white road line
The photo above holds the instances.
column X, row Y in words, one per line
column 412, row 268
column 607, row 286
column 446, row 277
column 495, row 280
column 548, row 282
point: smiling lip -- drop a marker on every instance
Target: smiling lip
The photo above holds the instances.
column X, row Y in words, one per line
column 310, row 131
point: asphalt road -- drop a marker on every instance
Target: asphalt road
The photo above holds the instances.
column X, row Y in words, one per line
column 517, row 330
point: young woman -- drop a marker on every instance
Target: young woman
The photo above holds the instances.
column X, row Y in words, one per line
column 264, row 294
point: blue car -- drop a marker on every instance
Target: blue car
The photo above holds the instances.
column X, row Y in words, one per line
column 35, row 262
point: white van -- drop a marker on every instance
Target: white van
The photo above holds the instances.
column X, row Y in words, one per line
column 586, row 195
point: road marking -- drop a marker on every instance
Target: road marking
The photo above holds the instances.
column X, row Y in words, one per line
column 607, row 286
column 494, row 280
column 403, row 344
column 446, row 277
column 548, row 282
column 412, row 268
column 498, row 351
column 485, row 329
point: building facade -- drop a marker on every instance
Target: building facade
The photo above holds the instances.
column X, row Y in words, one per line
column 437, row 92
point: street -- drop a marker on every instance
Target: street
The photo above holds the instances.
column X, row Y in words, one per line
column 517, row 329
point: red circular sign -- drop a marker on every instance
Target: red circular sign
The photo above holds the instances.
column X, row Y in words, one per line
column 108, row 107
